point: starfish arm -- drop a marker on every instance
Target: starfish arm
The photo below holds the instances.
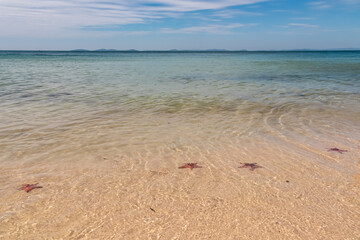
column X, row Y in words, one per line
column 28, row 187
column 23, row 186
column 190, row 165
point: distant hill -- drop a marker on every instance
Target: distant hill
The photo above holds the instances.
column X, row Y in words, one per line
column 80, row 50
column 105, row 50
column 215, row 50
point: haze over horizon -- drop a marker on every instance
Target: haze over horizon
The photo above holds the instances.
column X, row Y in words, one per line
column 179, row 24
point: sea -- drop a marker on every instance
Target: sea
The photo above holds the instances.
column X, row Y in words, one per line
column 85, row 123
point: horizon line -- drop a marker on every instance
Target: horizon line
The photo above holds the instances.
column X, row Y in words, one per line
column 181, row 50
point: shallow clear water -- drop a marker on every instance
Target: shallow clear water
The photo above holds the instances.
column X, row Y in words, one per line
column 107, row 131
column 44, row 95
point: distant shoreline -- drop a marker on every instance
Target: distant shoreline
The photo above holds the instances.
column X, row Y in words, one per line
column 187, row 51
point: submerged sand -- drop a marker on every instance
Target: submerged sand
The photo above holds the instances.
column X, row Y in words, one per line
column 137, row 192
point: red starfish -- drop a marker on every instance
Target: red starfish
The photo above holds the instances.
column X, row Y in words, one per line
column 190, row 165
column 252, row 166
column 337, row 150
column 29, row 187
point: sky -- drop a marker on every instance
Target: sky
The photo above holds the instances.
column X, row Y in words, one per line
column 179, row 24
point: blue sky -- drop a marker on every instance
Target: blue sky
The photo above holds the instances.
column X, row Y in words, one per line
column 179, row 24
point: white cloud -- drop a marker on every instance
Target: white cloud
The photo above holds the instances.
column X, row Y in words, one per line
column 24, row 17
column 233, row 13
column 192, row 5
column 217, row 29
column 319, row 5
column 303, row 25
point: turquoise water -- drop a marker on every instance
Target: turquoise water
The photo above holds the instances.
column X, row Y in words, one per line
column 177, row 81
column 44, row 95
